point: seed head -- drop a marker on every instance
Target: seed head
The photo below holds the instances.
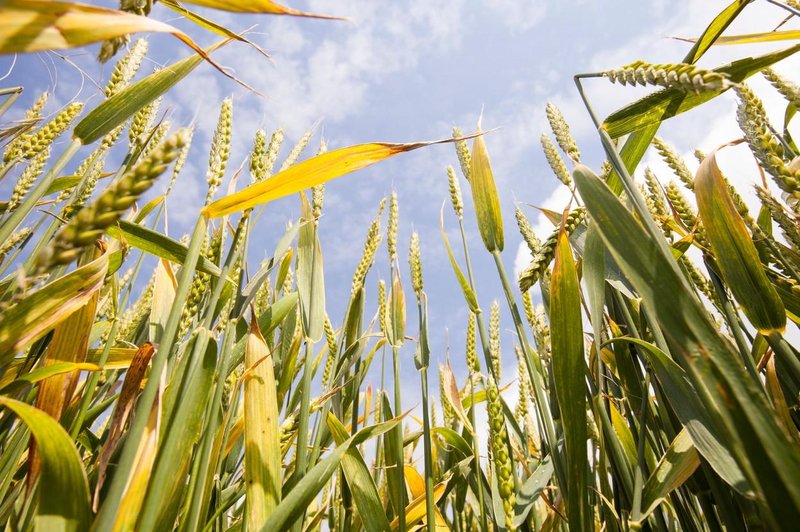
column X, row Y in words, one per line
column 370, row 247
column 126, row 68
column 561, row 131
column 181, row 159
column 92, row 221
column 533, row 242
column 675, row 162
column 220, row 149
column 494, row 339
column 141, row 123
column 544, row 257
column 463, row 153
column 258, row 157
column 498, row 441
column 382, row 305
column 297, row 150
column 788, row 89
column 391, row 232
column 34, row 143
column 27, row 179
column 555, row 161
column 472, row 350
column 415, row 264
column 681, row 76
column 455, row 193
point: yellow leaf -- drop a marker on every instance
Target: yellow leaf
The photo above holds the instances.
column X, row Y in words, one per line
column 312, row 172
column 256, row 6
column 38, row 25
column 415, row 511
column 136, row 487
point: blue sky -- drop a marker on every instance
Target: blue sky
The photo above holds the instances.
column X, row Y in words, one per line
column 410, row 70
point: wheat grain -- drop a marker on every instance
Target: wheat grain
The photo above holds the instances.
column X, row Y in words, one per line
column 555, row 161
column 681, row 76
column 462, row 152
column 562, row 133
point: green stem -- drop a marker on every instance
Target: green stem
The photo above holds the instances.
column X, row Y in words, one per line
column 476, row 455
column 198, row 481
column 430, row 509
column 398, row 406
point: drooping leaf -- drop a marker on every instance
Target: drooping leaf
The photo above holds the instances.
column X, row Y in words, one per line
column 122, row 409
column 735, row 252
column 675, row 467
column 311, row 172
column 256, row 6
column 466, row 289
column 40, row 25
column 42, row 309
column 61, row 472
column 157, row 244
column 124, row 104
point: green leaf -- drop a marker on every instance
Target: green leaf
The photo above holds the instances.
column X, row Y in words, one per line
column 675, row 467
column 764, row 453
column 705, row 430
column 466, row 289
column 296, row 501
column 184, row 407
column 61, row 472
column 714, row 30
column 735, row 252
column 569, row 369
column 117, row 109
column 365, row 493
column 530, row 490
column 157, row 244
column 310, row 278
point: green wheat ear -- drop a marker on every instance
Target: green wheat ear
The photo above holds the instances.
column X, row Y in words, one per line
column 92, row 221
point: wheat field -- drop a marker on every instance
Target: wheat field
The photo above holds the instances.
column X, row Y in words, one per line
column 149, row 382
